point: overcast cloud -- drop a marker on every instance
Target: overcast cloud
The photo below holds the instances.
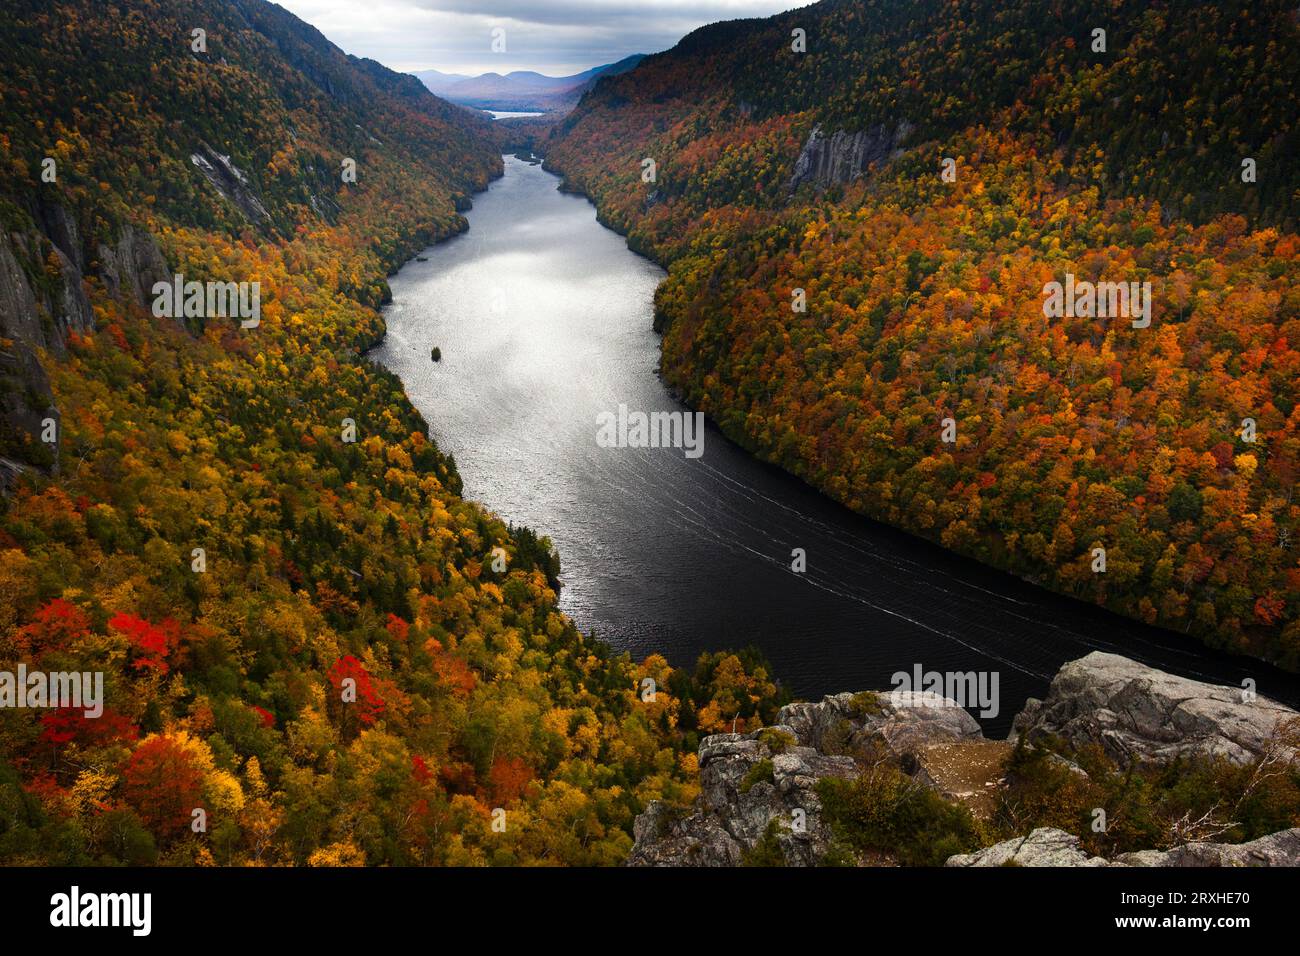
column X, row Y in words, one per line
column 557, row 37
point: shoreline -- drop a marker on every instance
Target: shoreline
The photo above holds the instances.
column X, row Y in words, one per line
column 742, row 442
column 1150, row 644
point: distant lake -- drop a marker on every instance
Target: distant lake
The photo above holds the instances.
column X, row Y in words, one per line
column 507, row 114
column 544, row 321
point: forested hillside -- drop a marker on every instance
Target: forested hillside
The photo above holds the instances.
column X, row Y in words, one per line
column 861, row 205
column 304, row 632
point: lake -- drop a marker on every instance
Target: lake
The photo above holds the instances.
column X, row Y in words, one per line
column 543, row 318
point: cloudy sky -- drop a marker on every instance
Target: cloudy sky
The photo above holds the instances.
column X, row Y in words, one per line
column 557, row 37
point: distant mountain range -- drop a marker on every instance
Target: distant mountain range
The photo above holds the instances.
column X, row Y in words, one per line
column 522, row 90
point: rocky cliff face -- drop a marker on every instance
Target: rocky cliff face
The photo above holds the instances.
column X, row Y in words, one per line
column 41, row 296
column 843, row 156
column 43, row 270
column 765, row 782
column 130, row 267
column 231, row 182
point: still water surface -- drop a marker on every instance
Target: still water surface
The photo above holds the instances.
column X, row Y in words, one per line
column 544, row 321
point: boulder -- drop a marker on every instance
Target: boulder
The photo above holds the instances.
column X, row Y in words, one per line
column 1141, row 715
column 1046, row 846
column 750, row 780
column 903, row 721
column 1276, row 849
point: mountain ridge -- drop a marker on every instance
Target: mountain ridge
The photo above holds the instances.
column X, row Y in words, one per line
column 522, row 90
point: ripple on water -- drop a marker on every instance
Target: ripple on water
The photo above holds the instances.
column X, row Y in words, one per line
column 544, row 319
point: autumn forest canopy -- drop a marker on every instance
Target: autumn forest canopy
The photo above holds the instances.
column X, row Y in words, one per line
column 327, row 565
column 835, row 317
column 300, row 623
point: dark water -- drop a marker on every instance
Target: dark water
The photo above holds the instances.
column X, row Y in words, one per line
column 544, row 320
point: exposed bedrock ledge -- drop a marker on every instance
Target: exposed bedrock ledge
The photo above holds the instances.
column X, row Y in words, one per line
column 738, row 799
column 844, row 156
column 1141, row 715
column 41, row 295
column 1048, row 846
column 231, row 182
column 131, row 266
column 1137, row 714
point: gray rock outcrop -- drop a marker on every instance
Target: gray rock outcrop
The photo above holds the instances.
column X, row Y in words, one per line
column 229, row 180
column 130, row 267
column 1048, row 846
column 43, row 300
column 844, row 156
column 41, row 295
column 746, row 781
column 760, row 789
column 749, row 781
column 903, row 721
column 1141, row 715
column 1276, row 849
